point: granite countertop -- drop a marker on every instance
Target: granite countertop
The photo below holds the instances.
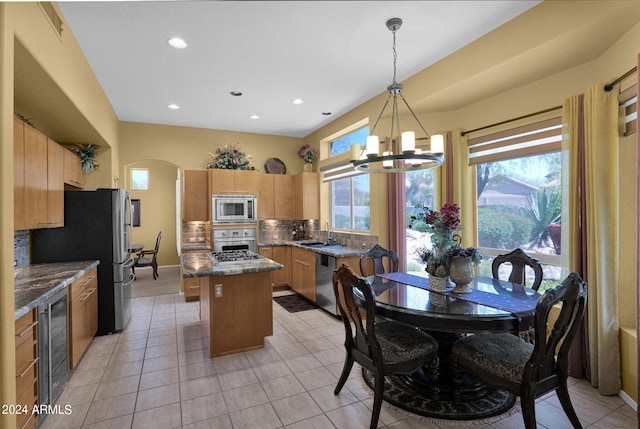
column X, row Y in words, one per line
column 337, row 250
column 195, row 247
column 201, row 265
column 35, row 283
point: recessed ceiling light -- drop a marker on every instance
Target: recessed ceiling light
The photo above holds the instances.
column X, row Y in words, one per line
column 254, row 117
column 326, row 113
column 173, row 107
column 297, row 101
column 236, row 93
column 177, row 43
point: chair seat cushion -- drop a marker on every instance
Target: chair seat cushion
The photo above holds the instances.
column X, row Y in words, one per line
column 502, row 354
column 144, row 261
column 400, row 343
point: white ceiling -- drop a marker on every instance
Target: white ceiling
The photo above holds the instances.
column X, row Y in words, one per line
column 334, row 55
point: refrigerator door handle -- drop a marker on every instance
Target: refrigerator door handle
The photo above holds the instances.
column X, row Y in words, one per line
column 129, row 263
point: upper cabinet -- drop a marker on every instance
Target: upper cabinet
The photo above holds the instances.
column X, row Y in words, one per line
column 73, row 175
column 306, row 191
column 275, row 196
column 196, row 198
column 38, row 179
column 238, row 182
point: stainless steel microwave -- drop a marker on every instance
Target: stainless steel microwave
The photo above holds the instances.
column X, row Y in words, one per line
column 233, row 209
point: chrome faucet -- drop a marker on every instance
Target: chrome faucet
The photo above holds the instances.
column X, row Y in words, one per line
column 330, row 239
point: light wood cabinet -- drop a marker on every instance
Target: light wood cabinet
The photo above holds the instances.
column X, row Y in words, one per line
column 282, row 255
column 275, row 196
column 306, row 191
column 303, row 272
column 239, row 182
column 38, row 180
column 26, row 331
column 19, row 216
column 83, row 315
column 73, row 175
column 191, row 287
column 196, row 198
column 236, row 312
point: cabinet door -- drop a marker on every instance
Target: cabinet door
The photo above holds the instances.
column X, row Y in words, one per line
column 196, row 199
column 282, row 255
column 221, row 181
column 73, row 175
column 283, row 197
column 304, row 272
column 35, row 178
column 306, row 189
column 265, row 196
column 55, row 184
column 246, row 182
column 267, row 252
column 19, row 218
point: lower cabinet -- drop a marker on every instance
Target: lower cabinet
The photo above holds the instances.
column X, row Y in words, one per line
column 303, row 272
column 83, row 315
column 191, row 289
column 27, row 368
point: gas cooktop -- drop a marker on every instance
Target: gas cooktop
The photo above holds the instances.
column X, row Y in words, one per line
column 233, row 256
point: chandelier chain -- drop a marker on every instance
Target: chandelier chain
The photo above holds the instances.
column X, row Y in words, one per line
column 395, row 57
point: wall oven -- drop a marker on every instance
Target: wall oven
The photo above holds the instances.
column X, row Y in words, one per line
column 233, row 209
column 225, row 240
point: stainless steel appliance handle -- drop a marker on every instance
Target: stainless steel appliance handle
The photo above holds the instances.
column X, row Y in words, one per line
column 49, row 367
column 129, row 263
column 129, row 224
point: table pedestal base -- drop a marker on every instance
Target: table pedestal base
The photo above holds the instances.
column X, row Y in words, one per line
column 408, row 393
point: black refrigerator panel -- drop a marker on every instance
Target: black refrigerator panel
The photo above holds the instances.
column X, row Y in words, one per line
column 89, row 233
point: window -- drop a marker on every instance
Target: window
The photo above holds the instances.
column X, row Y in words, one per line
column 349, row 191
column 519, row 196
column 419, row 189
column 139, row 179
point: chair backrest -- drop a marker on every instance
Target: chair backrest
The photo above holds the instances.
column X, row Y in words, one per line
column 361, row 344
column 548, row 361
column 377, row 254
column 519, row 261
column 155, row 251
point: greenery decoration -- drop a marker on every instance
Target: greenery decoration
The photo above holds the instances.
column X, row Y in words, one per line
column 307, row 154
column 230, row 157
column 87, row 154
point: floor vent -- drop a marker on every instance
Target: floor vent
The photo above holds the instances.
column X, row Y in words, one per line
column 53, row 16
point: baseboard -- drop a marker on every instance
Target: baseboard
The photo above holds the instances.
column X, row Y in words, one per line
column 628, row 400
column 159, row 267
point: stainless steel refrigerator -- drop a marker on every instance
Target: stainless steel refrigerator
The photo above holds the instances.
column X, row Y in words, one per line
column 97, row 225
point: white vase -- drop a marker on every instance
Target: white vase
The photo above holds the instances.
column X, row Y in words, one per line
column 461, row 273
column 438, row 283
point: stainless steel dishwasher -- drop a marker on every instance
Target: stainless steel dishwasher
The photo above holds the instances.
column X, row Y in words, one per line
column 325, row 298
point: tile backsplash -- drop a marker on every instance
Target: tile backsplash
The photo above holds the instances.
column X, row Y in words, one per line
column 274, row 231
column 21, row 249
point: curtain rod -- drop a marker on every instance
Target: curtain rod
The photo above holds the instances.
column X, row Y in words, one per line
column 551, row 109
column 610, row 86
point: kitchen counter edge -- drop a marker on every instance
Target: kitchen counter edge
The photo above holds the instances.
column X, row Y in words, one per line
column 337, row 250
column 200, row 265
column 35, row 283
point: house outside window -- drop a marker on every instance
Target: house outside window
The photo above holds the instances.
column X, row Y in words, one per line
column 139, row 179
column 419, row 189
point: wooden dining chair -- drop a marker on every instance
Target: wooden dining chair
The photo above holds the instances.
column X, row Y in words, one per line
column 148, row 258
column 378, row 254
column 503, row 361
column 519, row 260
column 382, row 347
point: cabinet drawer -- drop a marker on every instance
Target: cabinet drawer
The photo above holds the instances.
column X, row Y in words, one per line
column 28, row 398
column 191, row 289
column 26, row 329
column 26, row 373
column 83, row 284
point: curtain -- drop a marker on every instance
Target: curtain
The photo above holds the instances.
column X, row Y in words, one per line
column 396, row 219
column 458, row 184
column 590, row 229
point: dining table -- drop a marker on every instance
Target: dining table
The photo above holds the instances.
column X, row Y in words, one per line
column 492, row 306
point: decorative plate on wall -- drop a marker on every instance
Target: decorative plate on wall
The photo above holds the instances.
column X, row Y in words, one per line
column 275, row 166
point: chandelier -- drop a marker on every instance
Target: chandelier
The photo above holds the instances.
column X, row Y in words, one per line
column 400, row 153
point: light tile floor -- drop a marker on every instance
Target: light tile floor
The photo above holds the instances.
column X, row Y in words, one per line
column 157, row 374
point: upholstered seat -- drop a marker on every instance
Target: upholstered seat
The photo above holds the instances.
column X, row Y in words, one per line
column 147, row 258
column 519, row 260
column 382, row 347
column 504, row 361
column 378, row 254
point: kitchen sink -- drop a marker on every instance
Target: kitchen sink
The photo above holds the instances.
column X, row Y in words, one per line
column 318, row 244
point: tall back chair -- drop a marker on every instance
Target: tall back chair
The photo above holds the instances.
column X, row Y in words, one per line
column 377, row 254
column 503, row 361
column 147, row 258
column 519, row 261
column 383, row 348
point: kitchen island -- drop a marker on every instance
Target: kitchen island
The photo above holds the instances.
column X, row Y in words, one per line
column 236, row 310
